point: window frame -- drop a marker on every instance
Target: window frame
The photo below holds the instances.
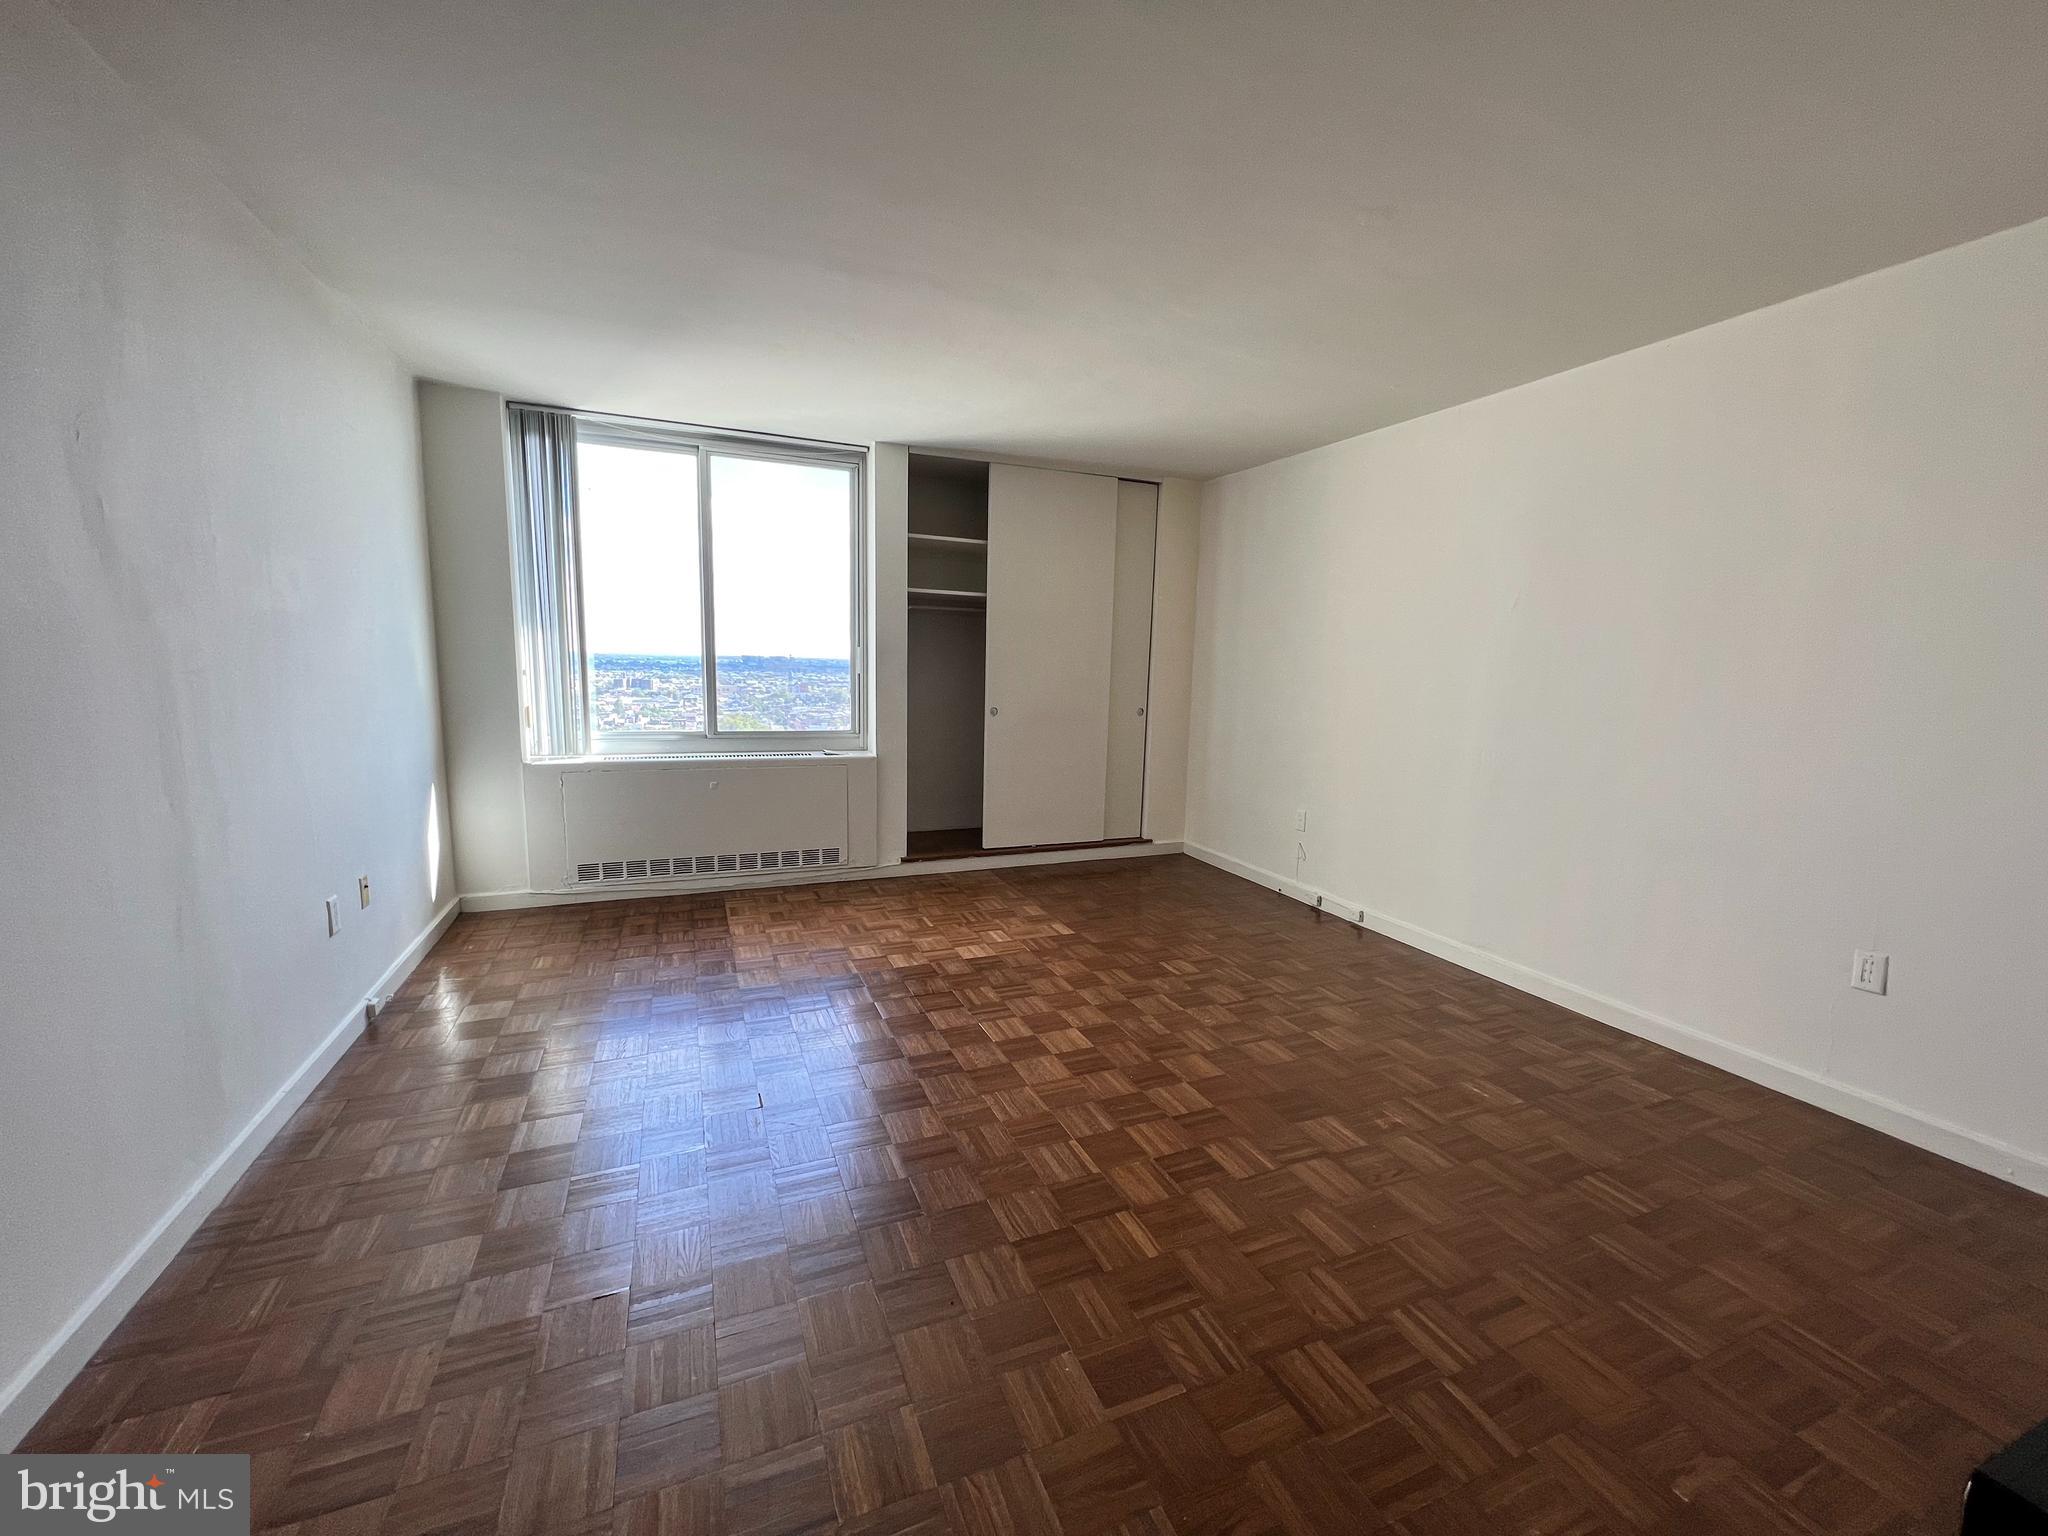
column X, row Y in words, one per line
column 705, row 445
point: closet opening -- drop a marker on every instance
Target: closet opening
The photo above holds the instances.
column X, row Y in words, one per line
column 948, row 653
column 1029, row 657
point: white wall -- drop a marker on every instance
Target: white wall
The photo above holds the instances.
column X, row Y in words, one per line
column 218, row 689
column 1662, row 685
column 889, row 582
column 463, row 446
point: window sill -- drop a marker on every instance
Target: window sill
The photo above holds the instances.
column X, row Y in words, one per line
column 673, row 759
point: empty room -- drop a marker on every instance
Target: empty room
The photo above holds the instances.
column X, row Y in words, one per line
column 1090, row 768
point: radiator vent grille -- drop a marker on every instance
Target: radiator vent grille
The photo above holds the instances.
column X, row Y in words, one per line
column 684, row 865
column 726, row 759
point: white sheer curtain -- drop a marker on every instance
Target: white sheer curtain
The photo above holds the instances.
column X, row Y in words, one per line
column 544, row 536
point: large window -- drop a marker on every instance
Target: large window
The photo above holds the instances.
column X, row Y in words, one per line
column 686, row 592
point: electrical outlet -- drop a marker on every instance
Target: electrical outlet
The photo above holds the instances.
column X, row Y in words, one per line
column 363, row 889
column 1868, row 971
column 333, row 916
column 1301, row 821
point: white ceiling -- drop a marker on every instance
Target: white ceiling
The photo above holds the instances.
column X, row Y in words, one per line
column 1150, row 234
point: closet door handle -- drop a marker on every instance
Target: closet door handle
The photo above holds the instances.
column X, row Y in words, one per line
column 993, row 710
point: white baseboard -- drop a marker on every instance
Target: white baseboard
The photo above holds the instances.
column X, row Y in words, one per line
column 507, row 901
column 1986, row 1154
column 36, row 1385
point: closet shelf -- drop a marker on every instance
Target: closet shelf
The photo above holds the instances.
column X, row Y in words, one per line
column 947, row 541
column 942, row 597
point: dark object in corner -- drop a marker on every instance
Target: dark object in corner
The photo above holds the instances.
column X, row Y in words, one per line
column 2008, row 1495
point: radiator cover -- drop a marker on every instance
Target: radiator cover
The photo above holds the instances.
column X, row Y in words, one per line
column 629, row 822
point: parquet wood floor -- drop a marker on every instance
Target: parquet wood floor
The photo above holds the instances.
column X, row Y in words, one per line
column 1130, row 1200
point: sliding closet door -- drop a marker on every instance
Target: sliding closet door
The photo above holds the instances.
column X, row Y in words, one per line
column 1051, row 595
column 1130, row 657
